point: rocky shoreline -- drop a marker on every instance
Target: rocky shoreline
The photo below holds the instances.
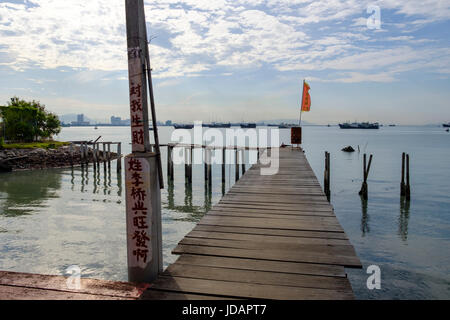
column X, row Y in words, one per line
column 32, row 159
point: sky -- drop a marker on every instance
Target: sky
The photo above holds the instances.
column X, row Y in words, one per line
column 230, row 60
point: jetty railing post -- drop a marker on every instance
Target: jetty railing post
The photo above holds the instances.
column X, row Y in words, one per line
column 71, row 154
column 209, row 168
column 142, row 167
column 169, row 163
column 325, row 174
column 186, row 164
column 223, row 165
column 326, row 183
column 329, row 178
column 191, row 158
column 108, row 156
column 402, row 184
column 119, row 155
column 236, row 155
column 408, row 188
column 205, row 165
column 243, row 160
column 94, row 155
column 104, row 152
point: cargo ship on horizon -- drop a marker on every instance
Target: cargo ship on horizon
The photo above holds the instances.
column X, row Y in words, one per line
column 359, row 125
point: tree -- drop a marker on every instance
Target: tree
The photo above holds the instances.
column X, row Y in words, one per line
column 28, row 121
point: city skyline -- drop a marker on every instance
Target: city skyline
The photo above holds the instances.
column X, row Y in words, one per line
column 231, row 62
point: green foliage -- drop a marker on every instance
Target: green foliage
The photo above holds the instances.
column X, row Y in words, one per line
column 28, row 121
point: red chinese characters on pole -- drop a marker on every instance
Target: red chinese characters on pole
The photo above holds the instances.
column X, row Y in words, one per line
column 138, row 207
column 136, row 99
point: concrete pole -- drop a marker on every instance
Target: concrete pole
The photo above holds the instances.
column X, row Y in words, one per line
column 143, row 194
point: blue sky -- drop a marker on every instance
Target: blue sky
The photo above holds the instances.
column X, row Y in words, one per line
column 220, row 60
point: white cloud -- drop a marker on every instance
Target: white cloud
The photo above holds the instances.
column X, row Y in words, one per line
column 200, row 35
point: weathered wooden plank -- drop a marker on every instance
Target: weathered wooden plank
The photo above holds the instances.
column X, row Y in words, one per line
column 288, row 248
column 277, row 232
column 170, row 295
column 270, row 211
column 265, row 238
column 263, row 265
column 276, row 255
column 256, row 277
column 247, row 290
column 273, row 224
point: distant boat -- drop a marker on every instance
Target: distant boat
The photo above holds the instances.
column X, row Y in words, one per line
column 96, row 128
column 359, row 125
column 183, row 126
column 446, row 125
column 392, row 125
column 248, row 125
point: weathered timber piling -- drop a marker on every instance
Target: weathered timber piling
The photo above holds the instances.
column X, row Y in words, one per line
column 119, row 155
column 326, row 178
column 223, row 165
column 243, row 160
column 236, row 155
column 169, row 163
column 186, row 165
column 402, row 183
column 71, row 154
column 364, row 189
column 209, row 167
column 408, row 188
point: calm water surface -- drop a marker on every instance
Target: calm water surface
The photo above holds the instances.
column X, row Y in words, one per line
column 52, row 219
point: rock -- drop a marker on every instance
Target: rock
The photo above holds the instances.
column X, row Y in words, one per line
column 348, row 149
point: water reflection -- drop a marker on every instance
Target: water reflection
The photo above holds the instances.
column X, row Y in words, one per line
column 403, row 218
column 23, row 191
column 194, row 212
column 365, row 228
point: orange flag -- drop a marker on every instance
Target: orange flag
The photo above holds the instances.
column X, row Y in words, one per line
column 306, row 98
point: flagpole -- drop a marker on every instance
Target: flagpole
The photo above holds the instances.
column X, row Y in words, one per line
column 301, row 104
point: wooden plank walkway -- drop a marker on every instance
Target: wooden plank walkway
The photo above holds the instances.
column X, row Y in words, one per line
column 270, row 237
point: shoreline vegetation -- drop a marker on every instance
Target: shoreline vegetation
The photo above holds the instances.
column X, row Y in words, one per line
column 42, row 155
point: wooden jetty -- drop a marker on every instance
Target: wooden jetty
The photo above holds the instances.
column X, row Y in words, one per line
column 270, row 237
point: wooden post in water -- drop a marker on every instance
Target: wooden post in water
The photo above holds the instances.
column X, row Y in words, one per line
column 325, row 175
column 402, row 183
column 169, row 163
column 108, row 156
column 326, row 183
column 209, row 168
column 243, row 160
column 191, row 159
column 71, row 154
column 364, row 189
column 94, row 155
column 119, row 155
column 142, row 185
column 223, row 165
column 236, row 155
column 408, row 188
